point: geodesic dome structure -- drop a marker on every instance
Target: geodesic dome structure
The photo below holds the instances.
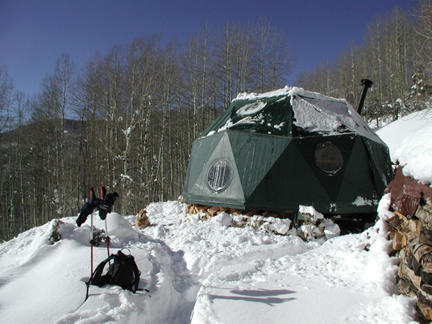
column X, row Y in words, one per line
column 281, row 149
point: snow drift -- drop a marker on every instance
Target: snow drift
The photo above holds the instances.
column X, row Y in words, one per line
column 200, row 272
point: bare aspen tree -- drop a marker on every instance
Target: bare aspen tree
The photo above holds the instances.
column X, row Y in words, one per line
column 52, row 108
column 146, row 53
column 6, row 173
column 6, row 91
column 225, row 60
column 20, row 164
column 422, row 58
column 63, row 79
column 273, row 57
column 385, row 57
column 113, row 119
column 196, row 65
column 88, row 98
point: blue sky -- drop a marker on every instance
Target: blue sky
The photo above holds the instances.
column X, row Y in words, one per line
column 35, row 32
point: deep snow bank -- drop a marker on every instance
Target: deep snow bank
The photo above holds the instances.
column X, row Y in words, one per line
column 201, row 272
column 252, row 276
column 41, row 282
column 410, row 142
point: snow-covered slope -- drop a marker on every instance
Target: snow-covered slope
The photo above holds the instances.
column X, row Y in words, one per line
column 410, row 143
column 41, row 283
column 200, row 272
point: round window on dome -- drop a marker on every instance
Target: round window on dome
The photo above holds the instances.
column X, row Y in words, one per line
column 219, row 175
column 328, row 158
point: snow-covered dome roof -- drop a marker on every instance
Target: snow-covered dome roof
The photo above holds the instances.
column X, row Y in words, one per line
column 312, row 112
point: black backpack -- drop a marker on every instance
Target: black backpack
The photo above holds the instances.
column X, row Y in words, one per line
column 122, row 272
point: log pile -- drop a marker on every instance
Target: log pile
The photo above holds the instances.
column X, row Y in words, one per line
column 209, row 211
column 55, row 235
column 206, row 212
column 276, row 222
column 142, row 219
column 313, row 225
column 310, row 224
column 411, row 233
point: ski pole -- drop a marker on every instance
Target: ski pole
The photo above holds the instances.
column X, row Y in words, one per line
column 91, row 245
column 107, row 240
column 102, row 191
column 91, row 256
column 91, row 232
column 91, row 241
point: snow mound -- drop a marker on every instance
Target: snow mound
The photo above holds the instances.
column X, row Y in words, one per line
column 223, row 219
column 410, row 142
column 40, row 280
column 119, row 229
column 415, row 154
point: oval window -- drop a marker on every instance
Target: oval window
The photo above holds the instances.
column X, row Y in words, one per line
column 328, row 158
column 219, row 175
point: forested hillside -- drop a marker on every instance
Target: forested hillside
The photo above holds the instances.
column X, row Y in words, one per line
column 396, row 55
column 135, row 114
column 128, row 119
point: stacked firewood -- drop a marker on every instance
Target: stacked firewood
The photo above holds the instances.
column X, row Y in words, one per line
column 210, row 211
column 277, row 222
column 411, row 233
column 309, row 223
column 207, row 212
column 313, row 225
column 142, row 219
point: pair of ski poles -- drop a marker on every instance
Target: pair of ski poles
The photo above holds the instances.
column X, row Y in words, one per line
column 102, row 191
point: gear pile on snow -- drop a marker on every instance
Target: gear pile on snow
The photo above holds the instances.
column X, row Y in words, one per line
column 122, row 272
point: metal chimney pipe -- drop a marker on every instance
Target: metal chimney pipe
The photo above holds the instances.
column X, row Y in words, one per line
column 366, row 85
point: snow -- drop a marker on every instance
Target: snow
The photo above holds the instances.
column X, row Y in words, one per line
column 128, row 131
column 286, row 91
column 251, row 108
column 223, row 219
column 361, row 201
column 126, row 177
column 200, row 272
column 214, row 271
column 315, row 215
column 313, row 119
column 248, row 120
column 410, row 143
